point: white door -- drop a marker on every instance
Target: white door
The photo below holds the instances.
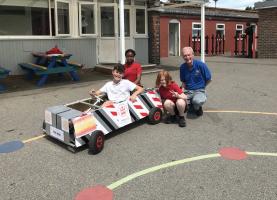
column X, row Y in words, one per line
column 108, row 34
column 174, row 41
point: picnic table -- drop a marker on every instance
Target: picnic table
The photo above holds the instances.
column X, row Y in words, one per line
column 3, row 74
column 46, row 64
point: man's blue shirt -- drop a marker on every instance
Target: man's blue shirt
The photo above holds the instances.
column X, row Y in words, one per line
column 196, row 77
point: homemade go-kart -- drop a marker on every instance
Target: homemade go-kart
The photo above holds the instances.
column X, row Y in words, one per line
column 86, row 122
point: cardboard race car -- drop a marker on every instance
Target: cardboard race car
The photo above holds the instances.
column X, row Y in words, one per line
column 86, row 122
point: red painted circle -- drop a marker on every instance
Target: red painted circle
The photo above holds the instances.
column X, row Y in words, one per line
column 157, row 116
column 99, row 142
column 95, row 193
column 232, row 153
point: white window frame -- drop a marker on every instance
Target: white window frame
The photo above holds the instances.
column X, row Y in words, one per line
column 220, row 29
column 56, row 18
column 7, row 37
column 115, row 7
column 195, row 39
column 95, row 18
column 192, row 28
column 126, row 7
column 137, row 35
column 237, row 29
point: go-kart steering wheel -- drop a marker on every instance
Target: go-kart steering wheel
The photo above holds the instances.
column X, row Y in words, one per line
column 98, row 101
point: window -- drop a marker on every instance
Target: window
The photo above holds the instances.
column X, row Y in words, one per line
column 107, row 22
column 24, row 18
column 62, row 16
column 126, row 2
column 239, row 29
column 87, row 18
column 220, row 30
column 140, row 21
column 106, row 1
column 196, row 29
column 126, row 22
column 139, row 2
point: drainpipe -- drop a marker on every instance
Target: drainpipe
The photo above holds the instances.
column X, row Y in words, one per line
column 122, row 35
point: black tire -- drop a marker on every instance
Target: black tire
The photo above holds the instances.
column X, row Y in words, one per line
column 155, row 116
column 71, row 149
column 96, row 142
column 43, row 125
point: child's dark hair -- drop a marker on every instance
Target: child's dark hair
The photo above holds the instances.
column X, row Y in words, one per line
column 130, row 50
column 119, row 67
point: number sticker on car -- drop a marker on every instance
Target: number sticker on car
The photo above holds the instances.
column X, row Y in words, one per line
column 56, row 133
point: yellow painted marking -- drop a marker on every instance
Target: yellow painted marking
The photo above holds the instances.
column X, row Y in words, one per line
column 159, row 167
column 34, row 138
column 240, row 112
column 261, row 154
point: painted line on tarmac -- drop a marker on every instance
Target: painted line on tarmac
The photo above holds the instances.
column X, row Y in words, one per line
column 240, row 112
column 33, row 139
column 174, row 163
column 261, row 154
column 159, row 167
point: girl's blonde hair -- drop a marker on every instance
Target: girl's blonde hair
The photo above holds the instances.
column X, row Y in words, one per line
column 166, row 75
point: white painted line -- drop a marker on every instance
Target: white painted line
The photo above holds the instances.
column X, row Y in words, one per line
column 240, row 112
column 34, row 138
column 261, row 154
column 159, row 167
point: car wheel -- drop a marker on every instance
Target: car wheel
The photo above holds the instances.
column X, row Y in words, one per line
column 43, row 125
column 155, row 116
column 96, row 142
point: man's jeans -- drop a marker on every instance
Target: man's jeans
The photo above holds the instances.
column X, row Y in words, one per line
column 196, row 97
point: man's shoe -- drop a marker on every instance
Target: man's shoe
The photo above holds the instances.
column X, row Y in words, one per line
column 199, row 112
column 182, row 122
column 170, row 119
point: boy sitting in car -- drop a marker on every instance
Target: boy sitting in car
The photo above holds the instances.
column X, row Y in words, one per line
column 118, row 89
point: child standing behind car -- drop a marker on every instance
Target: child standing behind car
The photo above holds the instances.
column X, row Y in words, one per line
column 173, row 97
column 118, row 89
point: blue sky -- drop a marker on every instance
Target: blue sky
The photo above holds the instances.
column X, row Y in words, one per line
column 237, row 4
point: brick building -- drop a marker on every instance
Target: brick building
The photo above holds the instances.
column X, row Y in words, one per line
column 173, row 28
column 267, row 32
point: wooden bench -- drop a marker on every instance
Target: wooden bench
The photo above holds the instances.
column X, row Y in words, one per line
column 74, row 64
column 43, row 71
column 3, row 74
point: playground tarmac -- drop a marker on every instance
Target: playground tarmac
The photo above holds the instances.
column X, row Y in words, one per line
column 228, row 153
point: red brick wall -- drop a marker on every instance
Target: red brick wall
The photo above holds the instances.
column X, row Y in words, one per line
column 154, row 37
column 186, row 30
column 267, row 33
column 164, row 29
